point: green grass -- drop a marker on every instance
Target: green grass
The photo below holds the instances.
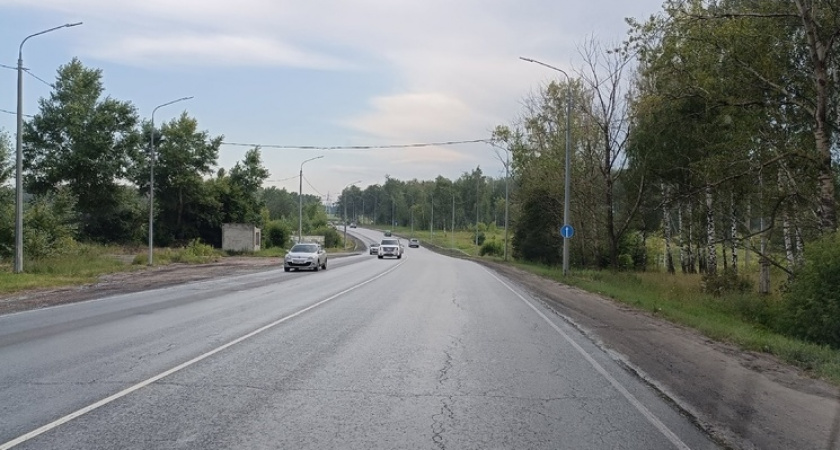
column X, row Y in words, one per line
column 85, row 263
column 461, row 240
column 81, row 265
column 740, row 319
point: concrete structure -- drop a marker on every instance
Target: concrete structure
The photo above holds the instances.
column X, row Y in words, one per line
column 241, row 237
column 315, row 239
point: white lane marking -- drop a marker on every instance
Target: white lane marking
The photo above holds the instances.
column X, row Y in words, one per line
column 34, row 433
column 598, row 367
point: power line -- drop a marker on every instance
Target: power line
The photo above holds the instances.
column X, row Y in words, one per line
column 357, row 147
column 313, row 187
column 14, row 113
column 282, row 179
column 29, row 72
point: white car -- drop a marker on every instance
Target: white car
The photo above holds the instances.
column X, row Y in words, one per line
column 305, row 256
column 390, row 247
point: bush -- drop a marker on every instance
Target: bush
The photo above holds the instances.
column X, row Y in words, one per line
column 812, row 300
column 277, row 233
column 492, row 248
column 481, row 238
column 625, row 261
column 725, row 282
column 332, row 238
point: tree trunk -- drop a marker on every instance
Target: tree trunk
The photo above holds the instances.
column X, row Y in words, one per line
column 820, row 42
column 748, row 245
column 800, row 245
column 666, row 226
column 764, row 270
column 680, row 225
column 733, row 231
column 692, row 256
column 711, row 261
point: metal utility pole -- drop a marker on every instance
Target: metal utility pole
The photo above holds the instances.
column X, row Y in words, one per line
column 432, row 222
column 300, row 199
column 19, row 151
column 507, row 183
column 477, row 184
column 567, row 186
column 344, row 200
column 452, row 235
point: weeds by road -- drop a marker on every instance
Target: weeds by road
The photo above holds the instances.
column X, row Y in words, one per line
column 737, row 318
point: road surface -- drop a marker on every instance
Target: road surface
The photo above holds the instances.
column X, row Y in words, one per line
column 426, row 352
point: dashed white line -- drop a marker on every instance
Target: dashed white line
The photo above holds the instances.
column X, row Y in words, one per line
column 80, row 412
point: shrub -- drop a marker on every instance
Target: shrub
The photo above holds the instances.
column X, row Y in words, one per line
column 725, row 282
column 481, row 238
column 492, row 248
column 277, row 233
column 332, row 238
column 812, row 300
column 625, row 261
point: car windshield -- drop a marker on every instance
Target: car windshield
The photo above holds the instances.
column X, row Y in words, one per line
column 305, row 248
column 390, row 242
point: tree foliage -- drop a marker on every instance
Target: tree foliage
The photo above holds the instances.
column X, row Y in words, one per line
column 84, row 141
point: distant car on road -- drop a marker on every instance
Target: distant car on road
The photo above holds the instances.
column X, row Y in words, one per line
column 390, row 247
column 352, row 224
column 374, row 248
column 305, row 256
column 413, row 243
column 387, row 233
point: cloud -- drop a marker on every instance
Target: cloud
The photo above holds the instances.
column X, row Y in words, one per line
column 211, row 49
column 413, row 115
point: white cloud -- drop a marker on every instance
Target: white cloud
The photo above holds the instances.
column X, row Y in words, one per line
column 412, row 115
column 211, row 49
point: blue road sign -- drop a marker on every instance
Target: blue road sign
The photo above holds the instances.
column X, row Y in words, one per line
column 567, row 231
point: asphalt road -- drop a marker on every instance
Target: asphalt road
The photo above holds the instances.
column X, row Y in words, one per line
column 423, row 352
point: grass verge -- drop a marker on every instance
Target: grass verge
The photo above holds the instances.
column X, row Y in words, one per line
column 85, row 263
column 734, row 318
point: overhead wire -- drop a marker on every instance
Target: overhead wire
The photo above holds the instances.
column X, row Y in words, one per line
column 14, row 113
column 29, row 72
column 313, row 187
column 357, row 147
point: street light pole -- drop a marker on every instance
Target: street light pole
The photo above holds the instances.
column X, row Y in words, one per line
column 152, row 157
column 507, row 201
column 344, row 200
column 568, row 182
column 300, row 199
column 19, row 151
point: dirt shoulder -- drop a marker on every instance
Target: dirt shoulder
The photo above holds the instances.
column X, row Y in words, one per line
column 135, row 281
column 744, row 399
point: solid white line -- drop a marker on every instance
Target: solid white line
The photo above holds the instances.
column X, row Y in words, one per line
column 23, row 438
column 598, row 367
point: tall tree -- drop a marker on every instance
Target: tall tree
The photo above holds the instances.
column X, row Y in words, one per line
column 6, row 164
column 183, row 158
column 85, row 142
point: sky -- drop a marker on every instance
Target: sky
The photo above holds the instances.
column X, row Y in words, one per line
column 318, row 73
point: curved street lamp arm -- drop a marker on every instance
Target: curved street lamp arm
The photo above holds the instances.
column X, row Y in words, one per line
column 66, row 25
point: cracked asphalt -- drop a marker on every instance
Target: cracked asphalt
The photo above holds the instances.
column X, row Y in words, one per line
column 435, row 353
